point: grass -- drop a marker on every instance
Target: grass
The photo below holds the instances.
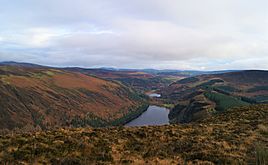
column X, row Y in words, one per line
column 42, row 74
column 169, row 106
column 262, row 147
column 4, row 78
column 261, row 155
column 263, row 130
column 49, row 73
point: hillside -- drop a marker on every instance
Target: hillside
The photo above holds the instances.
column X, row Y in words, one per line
column 143, row 79
column 47, row 97
column 140, row 80
column 201, row 96
column 239, row 136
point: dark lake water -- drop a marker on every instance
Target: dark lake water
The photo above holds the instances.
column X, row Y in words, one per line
column 154, row 115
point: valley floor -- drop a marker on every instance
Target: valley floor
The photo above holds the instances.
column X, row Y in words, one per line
column 238, row 136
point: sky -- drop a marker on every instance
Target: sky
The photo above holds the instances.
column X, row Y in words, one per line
column 159, row 34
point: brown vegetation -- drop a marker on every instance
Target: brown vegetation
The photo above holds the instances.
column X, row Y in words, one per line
column 48, row 97
column 232, row 137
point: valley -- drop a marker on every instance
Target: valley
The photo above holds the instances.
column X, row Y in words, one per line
column 102, row 116
column 141, row 82
column 41, row 96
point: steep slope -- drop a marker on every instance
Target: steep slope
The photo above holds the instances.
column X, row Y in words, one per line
column 46, row 97
column 200, row 96
column 239, row 136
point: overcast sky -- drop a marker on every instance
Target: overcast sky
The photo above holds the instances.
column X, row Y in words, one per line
column 161, row 34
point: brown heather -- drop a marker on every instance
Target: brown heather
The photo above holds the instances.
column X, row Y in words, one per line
column 237, row 136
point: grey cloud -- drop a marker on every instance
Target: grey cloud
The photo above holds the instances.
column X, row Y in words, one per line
column 175, row 34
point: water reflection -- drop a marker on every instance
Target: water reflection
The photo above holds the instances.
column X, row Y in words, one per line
column 154, row 115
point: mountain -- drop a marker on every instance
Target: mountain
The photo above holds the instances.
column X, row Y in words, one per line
column 201, row 96
column 143, row 80
column 237, row 136
column 139, row 80
column 226, row 120
column 33, row 95
column 20, row 64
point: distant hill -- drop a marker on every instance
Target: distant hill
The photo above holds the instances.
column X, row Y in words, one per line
column 142, row 79
column 46, row 97
column 138, row 79
column 200, row 96
column 106, row 95
column 20, row 64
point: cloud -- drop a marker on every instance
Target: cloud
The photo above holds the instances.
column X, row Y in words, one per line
column 173, row 34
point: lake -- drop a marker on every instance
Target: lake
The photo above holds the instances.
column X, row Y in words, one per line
column 154, row 115
column 154, row 95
